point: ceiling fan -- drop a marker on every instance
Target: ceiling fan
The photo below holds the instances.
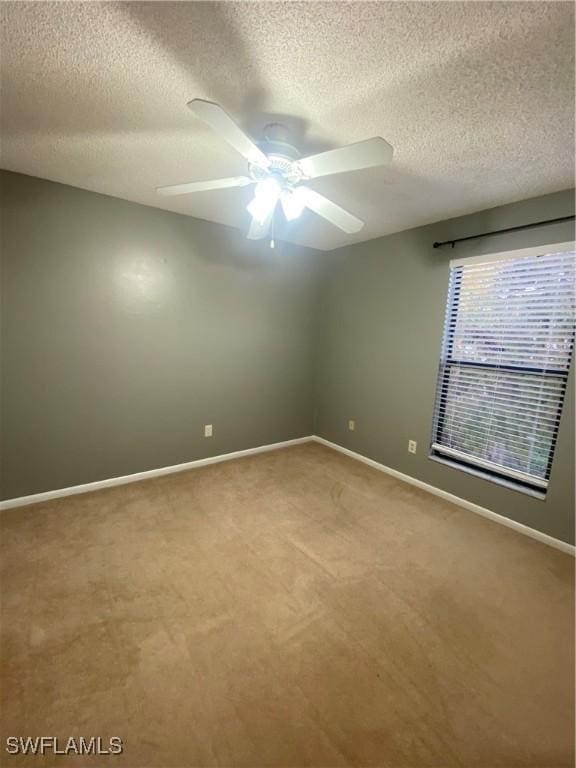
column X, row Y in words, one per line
column 279, row 173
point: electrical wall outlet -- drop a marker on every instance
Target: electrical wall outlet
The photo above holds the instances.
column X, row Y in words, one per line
column 351, row 425
column 412, row 446
column 208, row 430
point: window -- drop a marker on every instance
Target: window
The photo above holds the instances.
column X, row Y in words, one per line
column 508, row 340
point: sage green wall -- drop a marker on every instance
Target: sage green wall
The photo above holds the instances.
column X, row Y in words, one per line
column 125, row 329
column 382, row 318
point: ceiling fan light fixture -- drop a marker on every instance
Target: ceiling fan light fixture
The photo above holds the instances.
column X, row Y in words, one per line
column 265, row 198
column 292, row 204
column 277, row 169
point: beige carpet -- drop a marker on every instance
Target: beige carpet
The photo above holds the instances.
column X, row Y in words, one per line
column 296, row 608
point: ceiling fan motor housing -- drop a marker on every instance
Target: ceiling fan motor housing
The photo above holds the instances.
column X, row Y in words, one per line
column 280, row 168
column 281, row 154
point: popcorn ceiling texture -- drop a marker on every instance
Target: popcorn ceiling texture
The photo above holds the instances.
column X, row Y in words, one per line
column 476, row 98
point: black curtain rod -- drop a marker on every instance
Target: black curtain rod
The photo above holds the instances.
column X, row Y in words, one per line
column 503, row 231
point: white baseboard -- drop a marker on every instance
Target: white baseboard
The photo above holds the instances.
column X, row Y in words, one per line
column 526, row 530
column 88, row 487
column 98, row 485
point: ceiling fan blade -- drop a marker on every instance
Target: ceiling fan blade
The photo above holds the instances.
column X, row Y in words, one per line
column 333, row 213
column 354, row 157
column 221, row 122
column 204, row 186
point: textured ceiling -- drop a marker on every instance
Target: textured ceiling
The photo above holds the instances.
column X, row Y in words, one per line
column 476, row 98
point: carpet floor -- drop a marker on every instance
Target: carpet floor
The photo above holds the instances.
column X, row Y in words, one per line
column 295, row 608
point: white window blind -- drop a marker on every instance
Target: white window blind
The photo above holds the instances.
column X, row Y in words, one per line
column 508, row 340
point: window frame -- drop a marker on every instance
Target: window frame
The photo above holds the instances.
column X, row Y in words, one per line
column 501, row 475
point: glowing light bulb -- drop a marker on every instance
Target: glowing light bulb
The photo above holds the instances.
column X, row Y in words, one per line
column 272, row 245
column 265, row 198
column 292, row 203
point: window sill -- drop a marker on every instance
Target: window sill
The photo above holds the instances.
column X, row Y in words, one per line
column 510, row 484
